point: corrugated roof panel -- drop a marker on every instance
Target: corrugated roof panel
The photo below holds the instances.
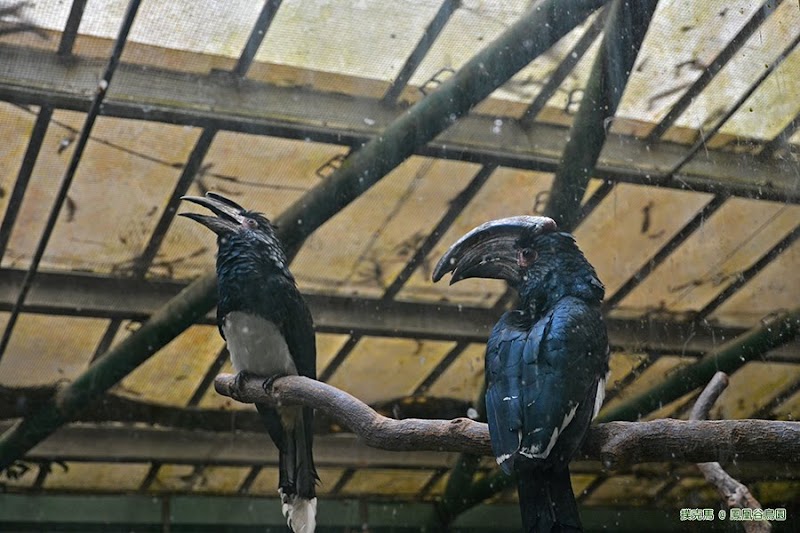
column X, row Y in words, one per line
column 265, row 174
column 772, row 106
column 778, row 493
column 775, row 288
column 630, row 225
column 621, row 365
column 625, row 491
column 690, row 492
column 115, row 200
column 20, row 122
column 218, row 479
column 380, row 369
column 172, row 375
column 343, row 37
column 714, row 255
column 173, row 478
column 474, row 25
column 752, row 387
column 790, row 409
column 387, row 481
column 734, row 79
column 655, row 373
column 45, row 350
column 266, row 482
column 679, row 42
column 115, row 477
column 363, row 248
column 500, row 197
column 463, row 378
column 581, row 482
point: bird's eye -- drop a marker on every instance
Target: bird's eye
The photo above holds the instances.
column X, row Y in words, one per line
column 250, row 223
column 528, row 253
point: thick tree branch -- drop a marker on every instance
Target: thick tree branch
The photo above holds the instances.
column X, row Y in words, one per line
column 733, row 493
column 616, row 444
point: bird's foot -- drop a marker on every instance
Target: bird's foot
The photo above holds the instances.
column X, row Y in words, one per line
column 267, row 385
column 240, row 379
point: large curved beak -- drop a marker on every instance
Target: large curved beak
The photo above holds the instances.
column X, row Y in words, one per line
column 229, row 213
column 490, row 250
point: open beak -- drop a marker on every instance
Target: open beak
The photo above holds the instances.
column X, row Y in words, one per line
column 228, row 212
column 490, row 250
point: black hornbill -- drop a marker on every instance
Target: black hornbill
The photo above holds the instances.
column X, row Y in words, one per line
column 546, row 361
column 269, row 332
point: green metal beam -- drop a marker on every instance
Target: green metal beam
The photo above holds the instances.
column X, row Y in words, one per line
column 626, row 25
column 728, row 358
column 517, row 46
column 92, row 512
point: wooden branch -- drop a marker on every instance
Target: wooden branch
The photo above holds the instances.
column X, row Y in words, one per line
column 616, row 444
column 733, row 493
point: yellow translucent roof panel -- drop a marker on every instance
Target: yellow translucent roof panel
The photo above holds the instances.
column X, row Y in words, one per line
column 474, row 25
column 743, row 69
column 173, row 478
column 625, row 491
column 620, row 366
column 394, row 482
column 774, row 289
column 264, row 174
column 500, row 197
column 731, row 240
column 172, row 375
column 790, row 409
column 115, row 477
column 698, row 491
column 21, row 475
column 380, row 369
column 48, row 17
column 752, row 387
column 125, row 177
column 206, row 27
column 655, row 374
column 776, row 492
column 667, row 65
column 363, row 248
column 364, row 39
column 44, row 349
column 266, row 482
column 630, row 225
column 463, row 378
column 20, row 122
column 186, row 478
column 219, row 479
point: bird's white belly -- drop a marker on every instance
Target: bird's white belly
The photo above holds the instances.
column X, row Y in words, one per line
column 257, row 345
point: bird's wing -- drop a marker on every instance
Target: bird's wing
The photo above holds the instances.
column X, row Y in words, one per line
column 540, row 378
column 297, row 327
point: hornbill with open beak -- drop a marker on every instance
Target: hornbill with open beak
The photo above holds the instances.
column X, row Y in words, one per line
column 269, row 332
column 546, row 361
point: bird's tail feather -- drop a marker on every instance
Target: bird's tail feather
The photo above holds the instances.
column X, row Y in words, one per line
column 298, row 476
column 547, row 502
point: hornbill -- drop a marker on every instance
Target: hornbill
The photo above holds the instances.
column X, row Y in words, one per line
column 269, row 332
column 546, row 361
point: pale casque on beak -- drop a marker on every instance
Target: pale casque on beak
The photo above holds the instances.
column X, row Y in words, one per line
column 490, row 250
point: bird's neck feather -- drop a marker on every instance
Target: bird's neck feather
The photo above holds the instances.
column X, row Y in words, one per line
column 560, row 270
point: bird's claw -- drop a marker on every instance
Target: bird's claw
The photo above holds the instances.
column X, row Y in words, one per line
column 267, row 385
column 240, row 379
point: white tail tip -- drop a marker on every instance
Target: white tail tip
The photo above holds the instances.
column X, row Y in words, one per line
column 300, row 513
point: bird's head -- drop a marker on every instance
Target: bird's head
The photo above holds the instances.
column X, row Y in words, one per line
column 499, row 249
column 236, row 226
